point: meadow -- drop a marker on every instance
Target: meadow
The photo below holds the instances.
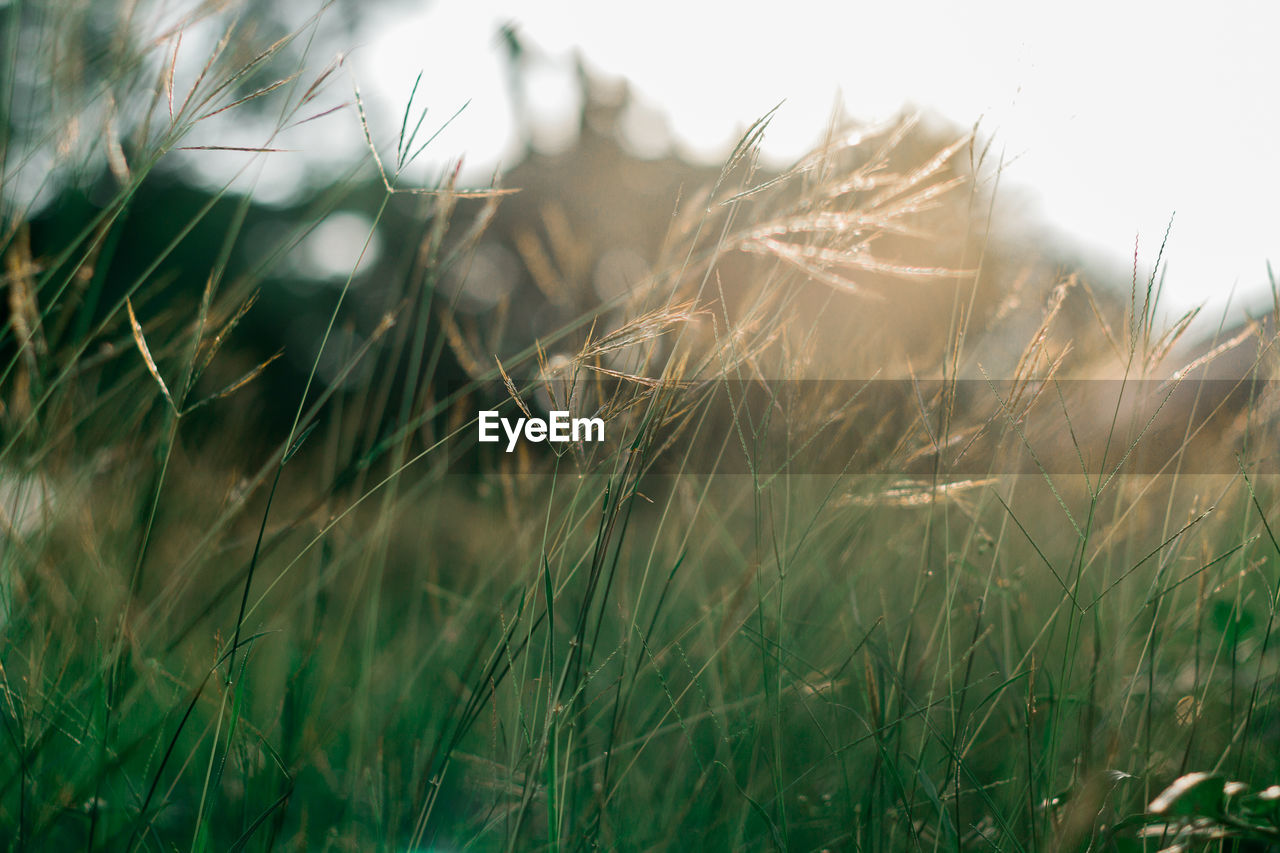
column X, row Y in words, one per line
column 251, row 602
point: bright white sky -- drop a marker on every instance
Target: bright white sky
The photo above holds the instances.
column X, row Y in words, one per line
column 1115, row 115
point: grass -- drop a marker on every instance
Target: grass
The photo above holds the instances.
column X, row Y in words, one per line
column 358, row 631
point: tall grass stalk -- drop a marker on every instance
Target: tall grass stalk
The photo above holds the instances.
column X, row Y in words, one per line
column 358, row 628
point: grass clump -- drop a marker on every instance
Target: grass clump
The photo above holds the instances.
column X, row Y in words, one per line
column 349, row 627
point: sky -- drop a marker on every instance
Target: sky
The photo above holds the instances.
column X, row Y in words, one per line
column 1114, row 117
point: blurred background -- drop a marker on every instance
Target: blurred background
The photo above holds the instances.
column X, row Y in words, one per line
column 1109, row 120
column 1123, row 145
column 1111, row 117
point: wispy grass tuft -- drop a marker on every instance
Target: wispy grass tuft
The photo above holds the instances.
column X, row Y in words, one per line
column 353, row 626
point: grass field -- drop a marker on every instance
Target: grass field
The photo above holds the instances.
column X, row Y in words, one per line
column 352, row 628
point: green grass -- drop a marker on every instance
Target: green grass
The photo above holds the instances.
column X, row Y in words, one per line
column 360, row 632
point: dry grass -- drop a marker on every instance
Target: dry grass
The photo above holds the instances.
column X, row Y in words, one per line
column 362, row 632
